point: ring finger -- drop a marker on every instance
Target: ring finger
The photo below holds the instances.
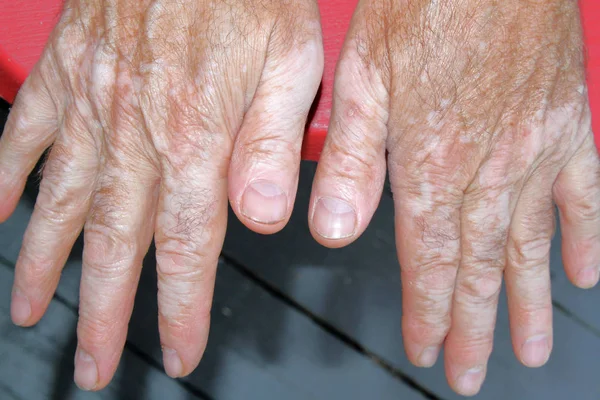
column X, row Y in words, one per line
column 118, row 233
column 528, row 273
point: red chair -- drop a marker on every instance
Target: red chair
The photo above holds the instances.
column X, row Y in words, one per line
column 26, row 24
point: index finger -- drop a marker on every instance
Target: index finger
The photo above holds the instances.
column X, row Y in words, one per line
column 30, row 129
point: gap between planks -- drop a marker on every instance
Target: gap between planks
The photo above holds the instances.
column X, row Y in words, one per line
column 329, row 328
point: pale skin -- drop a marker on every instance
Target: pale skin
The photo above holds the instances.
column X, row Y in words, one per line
column 157, row 113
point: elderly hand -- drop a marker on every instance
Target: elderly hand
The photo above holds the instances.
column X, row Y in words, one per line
column 156, row 112
column 482, row 108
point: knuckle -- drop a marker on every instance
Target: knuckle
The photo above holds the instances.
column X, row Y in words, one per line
column 440, row 160
column 479, row 285
column 177, row 316
column 97, row 330
column 432, row 280
column 58, row 204
column 433, row 200
column 33, row 266
column 472, row 347
column 192, row 122
column 352, row 162
column 532, row 313
column 270, row 148
column 182, row 310
column 21, row 124
column 526, row 253
column 182, row 273
column 586, row 208
column 191, row 142
column 108, row 252
column 485, row 243
column 181, row 260
column 427, row 327
column 72, row 162
column 53, row 207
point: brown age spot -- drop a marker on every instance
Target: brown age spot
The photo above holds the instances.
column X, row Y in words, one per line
column 107, row 208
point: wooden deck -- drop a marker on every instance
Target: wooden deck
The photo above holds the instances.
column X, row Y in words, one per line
column 291, row 320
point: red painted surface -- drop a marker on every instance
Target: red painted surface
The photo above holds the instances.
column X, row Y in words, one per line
column 24, row 29
column 590, row 15
column 26, row 24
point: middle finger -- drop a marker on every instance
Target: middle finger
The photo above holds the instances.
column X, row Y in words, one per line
column 485, row 221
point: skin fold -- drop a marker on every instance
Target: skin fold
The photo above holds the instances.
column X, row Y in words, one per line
column 482, row 108
column 157, row 113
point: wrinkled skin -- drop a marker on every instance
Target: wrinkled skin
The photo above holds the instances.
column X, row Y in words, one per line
column 156, row 112
column 482, row 108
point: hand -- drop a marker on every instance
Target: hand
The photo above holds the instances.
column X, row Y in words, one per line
column 482, row 108
column 156, row 112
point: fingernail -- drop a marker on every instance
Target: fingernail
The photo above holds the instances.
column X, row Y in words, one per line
column 172, row 362
column 469, row 383
column 334, row 218
column 20, row 308
column 535, row 351
column 429, row 356
column 86, row 371
column 264, row 202
column 588, row 277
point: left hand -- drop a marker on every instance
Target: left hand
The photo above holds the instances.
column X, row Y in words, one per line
column 482, row 108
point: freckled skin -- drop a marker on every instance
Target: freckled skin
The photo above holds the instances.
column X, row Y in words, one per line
column 483, row 112
column 157, row 113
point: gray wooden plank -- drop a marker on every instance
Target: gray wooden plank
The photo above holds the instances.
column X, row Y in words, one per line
column 258, row 348
column 37, row 363
column 581, row 304
column 357, row 289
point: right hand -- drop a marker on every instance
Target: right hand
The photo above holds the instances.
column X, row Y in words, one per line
column 156, row 112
